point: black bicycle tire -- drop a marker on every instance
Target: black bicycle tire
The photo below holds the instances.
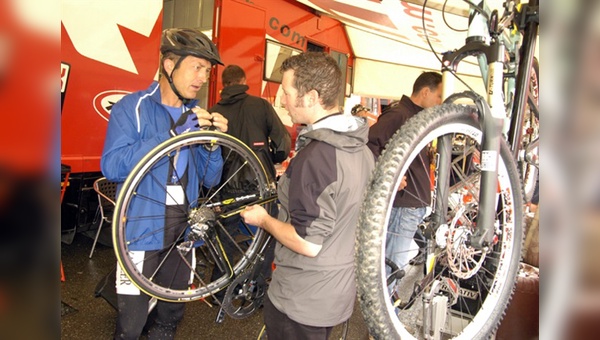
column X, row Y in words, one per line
column 138, row 279
column 372, row 294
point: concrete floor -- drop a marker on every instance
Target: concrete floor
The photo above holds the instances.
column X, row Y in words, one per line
column 84, row 316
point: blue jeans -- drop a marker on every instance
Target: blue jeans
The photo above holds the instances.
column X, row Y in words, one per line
column 401, row 229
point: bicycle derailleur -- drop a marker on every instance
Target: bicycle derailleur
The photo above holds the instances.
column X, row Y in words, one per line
column 200, row 221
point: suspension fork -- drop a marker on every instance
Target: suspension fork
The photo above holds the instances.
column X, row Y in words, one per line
column 491, row 118
column 530, row 15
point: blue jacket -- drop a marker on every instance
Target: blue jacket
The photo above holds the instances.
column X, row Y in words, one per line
column 137, row 124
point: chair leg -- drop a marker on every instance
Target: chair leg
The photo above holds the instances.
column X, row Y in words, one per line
column 96, row 238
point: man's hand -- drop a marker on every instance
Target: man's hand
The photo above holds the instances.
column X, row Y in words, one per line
column 402, row 184
column 197, row 118
column 218, row 121
column 188, row 121
column 254, row 215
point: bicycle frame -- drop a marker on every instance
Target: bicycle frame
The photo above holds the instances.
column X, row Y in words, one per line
column 490, row 50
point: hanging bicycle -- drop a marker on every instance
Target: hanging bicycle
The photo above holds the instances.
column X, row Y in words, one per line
column 474, row 233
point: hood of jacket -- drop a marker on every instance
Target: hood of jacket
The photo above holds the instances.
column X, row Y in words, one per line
column 345, row 132
column 233, row 93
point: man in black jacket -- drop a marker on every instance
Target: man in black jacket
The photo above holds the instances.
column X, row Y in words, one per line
column 254, row 121
column 410, row 203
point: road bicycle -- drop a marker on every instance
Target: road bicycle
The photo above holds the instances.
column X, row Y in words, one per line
column 204, row 232
column 474, row 233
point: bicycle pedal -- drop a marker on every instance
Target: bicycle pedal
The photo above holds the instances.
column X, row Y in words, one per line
column 220, row 316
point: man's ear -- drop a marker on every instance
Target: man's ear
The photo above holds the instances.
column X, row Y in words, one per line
column 313, row 97
column 168, row 65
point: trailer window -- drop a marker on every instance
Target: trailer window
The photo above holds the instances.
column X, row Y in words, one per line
column 312, row 47
column 275, row 54
column 342, row 60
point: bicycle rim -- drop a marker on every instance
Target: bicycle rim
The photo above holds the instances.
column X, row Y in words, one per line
column 466, row 292
column 200, row 251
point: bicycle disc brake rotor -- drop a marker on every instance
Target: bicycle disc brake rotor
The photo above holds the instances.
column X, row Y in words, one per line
column 464, row 260
column 243, row 297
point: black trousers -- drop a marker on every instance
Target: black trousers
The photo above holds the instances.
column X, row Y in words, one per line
column 281, row 327
column 133, row 309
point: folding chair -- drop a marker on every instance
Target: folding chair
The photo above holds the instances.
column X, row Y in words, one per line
column 107, row 192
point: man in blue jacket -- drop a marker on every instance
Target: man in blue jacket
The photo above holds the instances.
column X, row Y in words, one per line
column 138, row 123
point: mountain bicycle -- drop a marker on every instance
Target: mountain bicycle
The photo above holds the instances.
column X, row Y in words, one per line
column 475, row 230
column 199, row 229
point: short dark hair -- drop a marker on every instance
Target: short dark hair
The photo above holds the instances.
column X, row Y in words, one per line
column 316, row 71
column 427, row 79
column 232, row 74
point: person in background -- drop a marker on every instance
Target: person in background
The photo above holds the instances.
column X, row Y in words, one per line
column 252, row 120
column 410, row 203
column 138, row 123
column 532, row 205
column 359, row 110
column 362, row 111
column 313, row 287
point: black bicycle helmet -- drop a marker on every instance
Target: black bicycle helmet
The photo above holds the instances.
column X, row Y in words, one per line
column 186, row 41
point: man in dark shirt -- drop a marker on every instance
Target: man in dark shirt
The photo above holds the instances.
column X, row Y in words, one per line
column 411, row 201
column 254, row 122
column 252, row 119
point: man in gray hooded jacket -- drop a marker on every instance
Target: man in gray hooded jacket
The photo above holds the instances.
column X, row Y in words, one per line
column 313, row 286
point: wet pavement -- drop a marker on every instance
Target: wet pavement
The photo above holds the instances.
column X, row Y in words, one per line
column 84, row 316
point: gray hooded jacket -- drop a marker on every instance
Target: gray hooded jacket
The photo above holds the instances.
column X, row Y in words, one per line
column 321, row 193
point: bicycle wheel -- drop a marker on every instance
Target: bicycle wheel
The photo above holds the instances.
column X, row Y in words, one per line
column 193, row 226
column 531, row 133
column 459, row 292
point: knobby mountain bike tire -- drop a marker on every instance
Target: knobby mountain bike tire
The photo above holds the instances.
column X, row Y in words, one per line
column 143, row 216
column 467, row 290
